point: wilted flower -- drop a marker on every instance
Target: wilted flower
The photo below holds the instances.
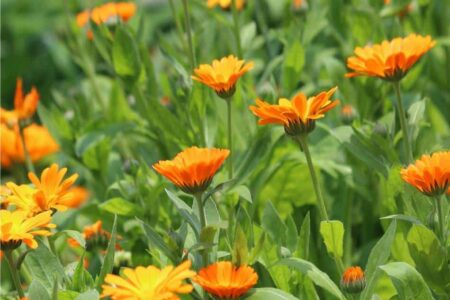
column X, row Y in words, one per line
column 149, row 283
column 37, row 138
column 390, row 60
column 298, row 115
column 193, row 169
column 17, row 227
column 225, row 281
column 222, row 75
column 24, row 107
column 430, row 174
column 353, row 280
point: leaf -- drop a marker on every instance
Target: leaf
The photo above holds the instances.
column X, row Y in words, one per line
column 81, row 279
column 333, row 235
column 410, row 219
column 240, row 247
column 268, row 294
column 156, row 240
column 381, row 251
column 291, row 234
column 89, row 295
column 125, row 54
column 312, row 272
column 305, row 232
column 407, row 281
column 272, row 223
column 185, row 211
column 67, row 295
column 293, row 66
column 37, row 291
column 120, row 206
column 44, row 266
column 77, row 236
column 108, row 262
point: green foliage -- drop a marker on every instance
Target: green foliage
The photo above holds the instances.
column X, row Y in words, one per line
column 333, row 235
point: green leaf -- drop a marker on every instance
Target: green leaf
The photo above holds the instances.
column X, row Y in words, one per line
column 312, row 272
column 89, row 295
column 72, row 234
column 81, row 279
column 156, row 240
column 268, row 294
column 272, row 223
column 381, row 251
column 120, row 206
column 185, row 211
column 407, row 281
column 37, row 291
column 67, row 295
column 305, row 232
column 333, row 235
column 240, row 247
column 125, row 54
column 291, row 234
column 44, row 266
column 293, row 66
column 108, row 262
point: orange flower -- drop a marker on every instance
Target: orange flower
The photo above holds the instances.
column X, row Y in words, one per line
column 353, row 280
column 429, row 174
column 108, row 12
column 390, row 60
column 225, row 4
column 348, row 113
column 193, row 169
column 16, row 227
column 298, row 115
column 38, row 140
column 297, row 3
column 94, row 236
column 79, row 196
column 24, row 107
column 222, row 75
column 226, row 281
column 150, row 282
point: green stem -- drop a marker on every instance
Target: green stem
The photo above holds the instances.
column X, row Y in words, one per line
column 322, row 208
column 14, row 275
column 28, row 161
column 348, row 228
column 188, row 29
column 236, row 29
column 178, row 26
column 201, row 214
column 441, row 219
column 402, row 118
column 230, row 139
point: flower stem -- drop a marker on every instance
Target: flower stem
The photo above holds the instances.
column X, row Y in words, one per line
column 28, row 161
column 322, row 208
column 230, row 139
column 201, row 214
column 402, row 118
column 188, row 29
column 348, row 228
column 14, row 274
column 236, row 29
column 441, row 219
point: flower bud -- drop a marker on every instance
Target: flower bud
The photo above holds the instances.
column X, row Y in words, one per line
column 353, row 280
column 348, row 114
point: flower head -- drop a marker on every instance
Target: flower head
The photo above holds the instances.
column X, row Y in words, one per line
column 353, row 280
column 390, row 60
column 24, row 107
column 95, row 237
column 150, row 282
column 430, row 174
column 222, row 75
column 16, row 227
column 226, row 281
column 79, row 196
column 298, row 115
column 37, row 138
column 193, row 169
column 348, row 114
column 226, row 4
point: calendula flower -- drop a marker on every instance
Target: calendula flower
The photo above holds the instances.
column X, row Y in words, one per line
column 430, row 174
column 222, row 75
column 17, row 227
column 225, row 281
column 390, row 60
column 95, row 237
column 24, row 107
column 225, row 4
column 79, row 195
column 298, row 115
column 353, row 280
column 193, row 169
column 37, row 138
column 143, row 283
column 297, row 3
column 106, row 13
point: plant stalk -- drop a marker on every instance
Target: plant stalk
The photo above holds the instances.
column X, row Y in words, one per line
column 441, row 219
column 28, row 161
column 403, row 124
column 201, row 214
column 14, row 274
column 236, row 29
column 187, row 21
column 230, row 139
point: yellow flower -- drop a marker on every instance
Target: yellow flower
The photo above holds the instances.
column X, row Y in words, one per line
column 222, row 75
column 16, row 227
column 145, row 283
column 390, row 60
column 298, row 115
column 49, row 193
column 226, row 4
